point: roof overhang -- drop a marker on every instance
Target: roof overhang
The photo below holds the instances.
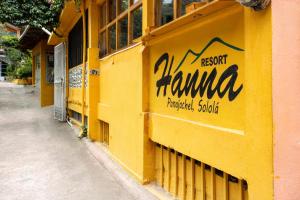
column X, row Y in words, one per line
column 30, row 37
column 68, row 17
column 12, row 26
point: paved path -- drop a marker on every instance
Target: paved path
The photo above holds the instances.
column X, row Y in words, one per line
column 41, row 159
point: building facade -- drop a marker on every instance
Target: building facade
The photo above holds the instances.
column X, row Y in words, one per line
column 188, row 95
column 35, row 40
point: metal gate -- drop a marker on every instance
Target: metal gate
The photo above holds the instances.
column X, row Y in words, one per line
column 60, row 82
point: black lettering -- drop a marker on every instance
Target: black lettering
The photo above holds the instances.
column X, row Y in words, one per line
column 225, row 56
column 165, row 79
column 203, row 62
column 232, row 73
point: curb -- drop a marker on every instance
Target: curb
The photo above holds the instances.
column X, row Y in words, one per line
column 101, row 154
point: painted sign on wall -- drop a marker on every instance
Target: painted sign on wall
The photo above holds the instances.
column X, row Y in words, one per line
column 199, row 76
column 201, row 82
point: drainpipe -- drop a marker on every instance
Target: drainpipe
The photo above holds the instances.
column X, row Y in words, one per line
column 83, row 63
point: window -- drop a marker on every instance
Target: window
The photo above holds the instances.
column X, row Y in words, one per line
column 168, row 10
column 102, row 44
column 75, row 41
column 76, row 115
column 123, row 32
column 120, row 24
column 86, row 33
column 50, row 68
column 112, row 38
column 123, row 6
column 137, row 23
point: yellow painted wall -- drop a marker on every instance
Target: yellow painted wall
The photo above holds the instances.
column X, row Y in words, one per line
column 74, row 101
column 121, row 106
column 46, row 89
column 69, row 17
column 237, row 140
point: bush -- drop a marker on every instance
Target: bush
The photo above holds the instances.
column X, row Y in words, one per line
column 23, row 72
column 11, row 72
column 20, row 62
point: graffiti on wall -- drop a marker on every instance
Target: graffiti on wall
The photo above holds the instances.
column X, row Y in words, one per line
column 208, row 82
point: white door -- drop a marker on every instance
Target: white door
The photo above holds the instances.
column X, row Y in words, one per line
column 60, row 82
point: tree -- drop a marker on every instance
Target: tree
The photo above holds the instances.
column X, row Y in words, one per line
column 19, row 65
column 36, row 13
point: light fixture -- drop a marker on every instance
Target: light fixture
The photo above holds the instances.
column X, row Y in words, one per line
column 255, row 4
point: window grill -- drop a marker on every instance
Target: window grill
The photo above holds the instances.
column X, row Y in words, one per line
column 76, row 115
column 104, row 126
column 190, row 179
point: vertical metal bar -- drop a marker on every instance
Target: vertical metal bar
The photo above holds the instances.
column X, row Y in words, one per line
column 179, row 3
column 226, row 192
column 83, row 92
column 103, row 136
column 158, row 12
column 175, row 8
column 192, row 178
column 169, row 169
column 101, row 132
column 117, row 35
column 203, row 180
column 183, row 177
column 213, row 183
column 67, row 69
column 107, row 125
column 176, row 173
column 106, row 31
column 161, row 166
column 105, row 132
column 117, row 24
column 241, row 194
column 129, row 35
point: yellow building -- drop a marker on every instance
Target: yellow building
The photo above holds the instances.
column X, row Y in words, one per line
column 35, row 40
column 173, row 89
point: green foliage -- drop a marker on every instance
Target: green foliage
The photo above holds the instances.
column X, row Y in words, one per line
column 19, row 61
column 23, row 72
column 25, row 69
column 83, row 132
column 14, row 55
column 11, row 72
column 36, row 13
column 9, row 41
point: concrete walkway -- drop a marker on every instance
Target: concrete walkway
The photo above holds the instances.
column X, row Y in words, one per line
column 41, row 159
